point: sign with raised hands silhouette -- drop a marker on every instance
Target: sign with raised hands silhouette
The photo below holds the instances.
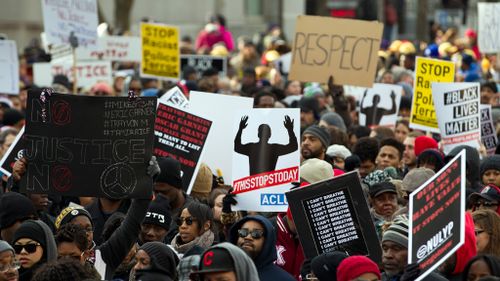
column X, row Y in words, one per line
column 266, row 157
column 379, row 105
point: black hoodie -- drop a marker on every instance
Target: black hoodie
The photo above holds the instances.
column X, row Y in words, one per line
column 472, row 166
column 264, row 262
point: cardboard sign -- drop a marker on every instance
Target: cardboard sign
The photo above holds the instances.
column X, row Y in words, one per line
column 160, row 51
column 182, row 136
column 14, row 153
column 113, row 48
column 333, row 215
column 89, row 146
column 266, row 158
column 88, row 73
column 175, row 98
column 423, row 115
column 488, row 131
column 202, row 63
column 437, row 217
column 457, row 108
column 218, row 155
column 380, row 105
column 344, row 48
column 488, row 27
column 60, row 18
column 9, row 68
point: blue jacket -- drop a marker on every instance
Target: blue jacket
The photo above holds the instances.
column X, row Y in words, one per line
column 264, row 262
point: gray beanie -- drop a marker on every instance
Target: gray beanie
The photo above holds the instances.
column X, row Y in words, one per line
column 397, row 232
column 334, row 119
column 321, row 133
column 4, row 246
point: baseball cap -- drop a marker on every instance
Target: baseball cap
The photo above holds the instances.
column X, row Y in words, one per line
column 490, row 193
column 382, row 187
column 215, row 260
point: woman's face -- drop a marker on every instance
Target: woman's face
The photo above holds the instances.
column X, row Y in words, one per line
column 477, row 270
column 218, row 207
column 190, row 227
column 84, row 222
column 143, row 260
column 293, row 89
column 401, row 132
column 482, row 238
column 28, row 252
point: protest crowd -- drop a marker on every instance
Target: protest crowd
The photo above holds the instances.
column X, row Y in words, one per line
column 195, row 221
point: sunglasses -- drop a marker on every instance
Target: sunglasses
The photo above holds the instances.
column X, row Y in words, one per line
column 486, row 204
column 189, row 221
column 478, row 231
column 30, row 248
column 255, row 233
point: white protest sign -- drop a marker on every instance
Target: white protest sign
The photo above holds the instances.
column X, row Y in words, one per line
column 266, row 158
column 457, row 110
column 88, row 73
column 283, row 63
column 379, row 105
column 488, row 132
column 488, row 27
column 9, row 67
column 113, row 48
column 175, row 97
column 60, row 18
column 222, row 110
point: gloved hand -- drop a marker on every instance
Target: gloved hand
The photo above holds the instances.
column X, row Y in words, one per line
column 227, row 201
column 412, row 271
column 153, row 168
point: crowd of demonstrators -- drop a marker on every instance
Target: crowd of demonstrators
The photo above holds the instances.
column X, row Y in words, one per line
column 197, row 236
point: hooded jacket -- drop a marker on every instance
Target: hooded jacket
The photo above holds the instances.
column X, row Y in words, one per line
column 244, row 267
column 472, row 165
column 265, row 260
column 290, row 255
column 38, row 231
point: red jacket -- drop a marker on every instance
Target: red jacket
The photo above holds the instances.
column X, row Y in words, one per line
column 288, row 248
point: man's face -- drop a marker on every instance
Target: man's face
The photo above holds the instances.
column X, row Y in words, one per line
column 409, row 158
column 394, row 258
column 306, row 118
column 388, row 156
column 7, row 270
column 366, row 168
column 252, row 246
column 166, row 190
column 265, row 102
column 492, row 176
column 7, row 234
column 70, row 250
column 311, row 147
column 152, row 233
column 488, row 96
column 385, row 204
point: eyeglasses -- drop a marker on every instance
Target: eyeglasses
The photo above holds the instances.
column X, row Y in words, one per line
column 30, row 248
column 13, row 265
column 478, row 231
column 255, row 233
column 486, row 204
column 189, row 220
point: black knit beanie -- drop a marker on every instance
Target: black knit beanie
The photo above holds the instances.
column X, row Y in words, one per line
column 490, row 163
column 319, row 132
column 163, row 259
column 159, row 213
column 15, row 207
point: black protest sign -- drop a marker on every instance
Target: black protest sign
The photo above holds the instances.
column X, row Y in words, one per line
column 13, row 154
column 182, row 136
column 488, row 132
column 202, row 63
column 437, row 217
column 333, row 215
column 88, row 146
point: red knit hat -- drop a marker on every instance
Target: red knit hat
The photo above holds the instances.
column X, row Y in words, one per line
column 422, row 143
column 355, row 266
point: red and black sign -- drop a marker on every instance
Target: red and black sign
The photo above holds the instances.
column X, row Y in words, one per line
column 333, row 215
column 182, row 136
column 88, row 146
column 437, row 217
